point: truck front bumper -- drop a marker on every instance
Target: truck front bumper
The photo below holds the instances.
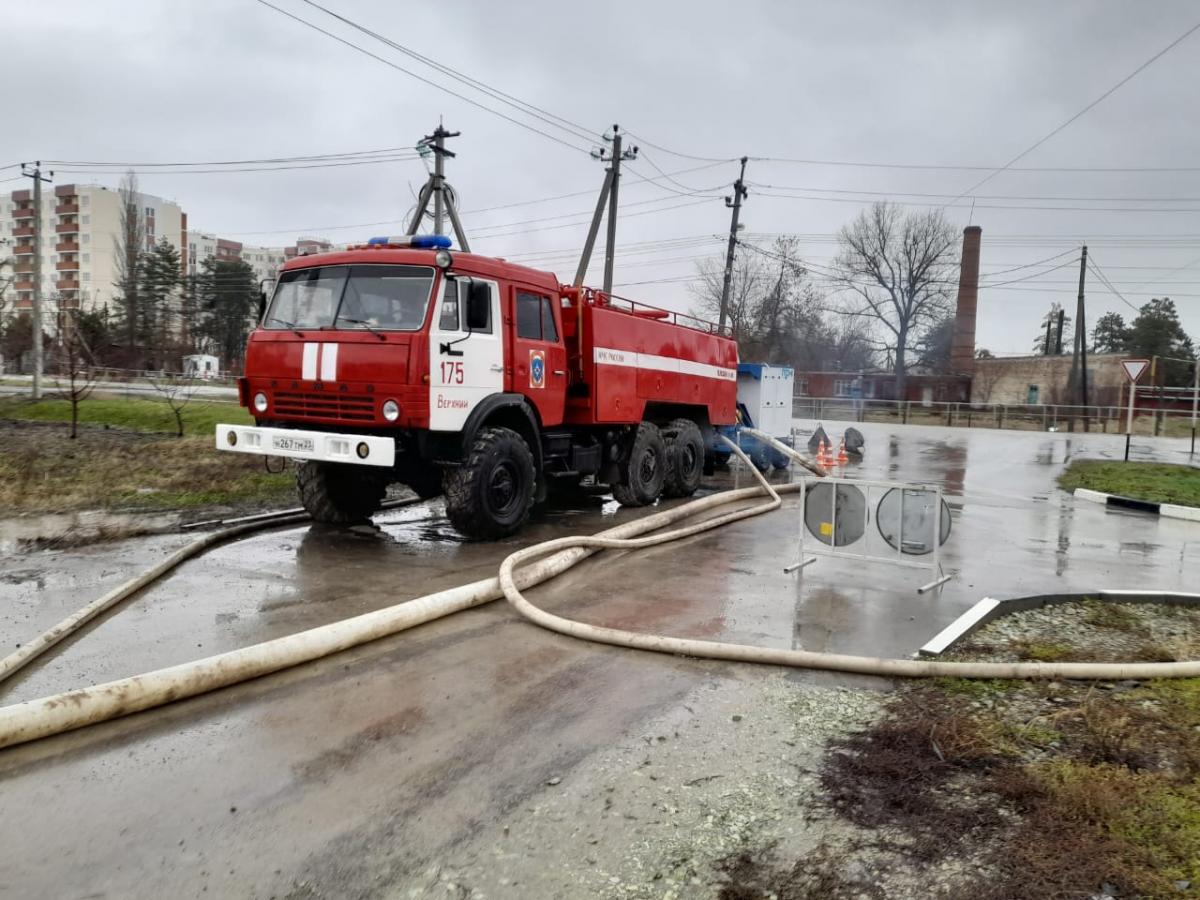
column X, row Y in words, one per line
column 358, row 449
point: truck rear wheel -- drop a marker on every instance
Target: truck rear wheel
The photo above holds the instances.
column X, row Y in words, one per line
column 644, row 469
column 685, row 458
column 340, row 494
column 490, row 494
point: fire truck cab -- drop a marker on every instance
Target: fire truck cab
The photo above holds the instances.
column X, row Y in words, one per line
column 455, row 373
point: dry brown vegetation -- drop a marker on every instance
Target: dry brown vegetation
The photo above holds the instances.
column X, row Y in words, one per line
column 122, row 469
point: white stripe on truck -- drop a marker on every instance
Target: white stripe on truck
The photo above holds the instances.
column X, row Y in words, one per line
column 308, row 370
column 604, row 356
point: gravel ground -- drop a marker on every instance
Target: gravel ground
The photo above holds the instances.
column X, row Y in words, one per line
column 1090, row 630
column 733, row 769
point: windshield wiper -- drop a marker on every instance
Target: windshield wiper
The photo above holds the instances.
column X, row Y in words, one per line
column 365, row 324
column 286, row 324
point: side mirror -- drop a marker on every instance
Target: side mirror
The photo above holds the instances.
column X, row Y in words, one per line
column 479, row 304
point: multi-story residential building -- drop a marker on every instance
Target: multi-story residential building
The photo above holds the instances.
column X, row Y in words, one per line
column 80, row 242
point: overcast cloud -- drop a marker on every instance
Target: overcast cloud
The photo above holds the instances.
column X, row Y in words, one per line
column 919, row 83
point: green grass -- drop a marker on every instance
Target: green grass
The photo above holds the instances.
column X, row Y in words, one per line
column 1157, row 482
column 200, row 416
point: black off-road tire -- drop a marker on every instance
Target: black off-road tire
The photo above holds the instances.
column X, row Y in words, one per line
column 490, row 494
column 685, row 458
column 644, row 468
column 341, row 494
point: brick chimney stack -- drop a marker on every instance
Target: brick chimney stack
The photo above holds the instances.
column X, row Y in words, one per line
column 962, row 350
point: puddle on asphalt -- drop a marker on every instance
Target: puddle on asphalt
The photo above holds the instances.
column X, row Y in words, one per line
column 66, row 529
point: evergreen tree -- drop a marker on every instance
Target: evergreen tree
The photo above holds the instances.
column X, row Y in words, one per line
column 158, row 284
column 1110, row 335
column 226, row 299
column 1157, row 332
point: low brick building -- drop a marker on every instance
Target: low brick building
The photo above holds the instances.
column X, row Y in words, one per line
column 882, row 386
column 1041, row 380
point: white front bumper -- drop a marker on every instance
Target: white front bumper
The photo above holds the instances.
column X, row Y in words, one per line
column 296, row 444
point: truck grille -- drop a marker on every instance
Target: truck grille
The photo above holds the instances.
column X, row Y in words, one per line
column 325, row 406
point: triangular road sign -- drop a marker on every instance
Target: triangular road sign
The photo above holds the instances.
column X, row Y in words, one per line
column 1134, row 368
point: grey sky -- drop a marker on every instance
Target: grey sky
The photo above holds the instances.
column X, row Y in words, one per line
column 918, row 83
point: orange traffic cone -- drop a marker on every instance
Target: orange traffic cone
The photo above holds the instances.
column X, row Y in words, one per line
column 821, row 453
column 842, row 456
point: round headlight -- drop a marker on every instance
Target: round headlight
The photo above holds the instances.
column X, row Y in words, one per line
column 260, row 402
column 391, row 410
column 363, row 450
column 443, row 259
column 232, row 438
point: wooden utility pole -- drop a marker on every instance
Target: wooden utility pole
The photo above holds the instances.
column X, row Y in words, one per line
column 36, row 174
column 734, row 203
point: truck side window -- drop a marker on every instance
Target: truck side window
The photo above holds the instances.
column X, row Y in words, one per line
column 549, row 329
column 448, row 321
column 529, row 316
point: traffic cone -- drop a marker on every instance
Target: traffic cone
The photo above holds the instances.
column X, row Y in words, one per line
column 821, row 453
column 842, row 456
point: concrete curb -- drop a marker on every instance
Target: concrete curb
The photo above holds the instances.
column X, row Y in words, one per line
column 1170, row 510
column 989, row 609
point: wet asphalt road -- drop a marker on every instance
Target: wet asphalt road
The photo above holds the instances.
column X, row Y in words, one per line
column 350, row 776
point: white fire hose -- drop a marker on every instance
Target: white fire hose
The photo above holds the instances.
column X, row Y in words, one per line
column 35, row 719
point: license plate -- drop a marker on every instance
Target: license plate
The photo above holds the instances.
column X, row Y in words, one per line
column 294, row 444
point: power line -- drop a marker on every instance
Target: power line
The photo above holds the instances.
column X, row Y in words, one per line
column 1112, row 90
column 1108, row 284
column 236, row 162
column 814, row 190
column 326, row 165
column 574, row 129
column 422, row 78
column 954, row 204
column 1028, row 265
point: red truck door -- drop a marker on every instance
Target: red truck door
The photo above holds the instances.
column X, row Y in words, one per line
column 537, row 354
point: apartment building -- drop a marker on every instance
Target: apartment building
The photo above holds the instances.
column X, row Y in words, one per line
column 80, row 239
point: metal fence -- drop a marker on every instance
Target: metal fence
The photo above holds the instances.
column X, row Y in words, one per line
column 1043, row 417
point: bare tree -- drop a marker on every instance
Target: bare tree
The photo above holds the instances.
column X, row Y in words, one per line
column 76, row 368
column 750, row 280
column 898, row 269
column 177, row 391
column 985, row 378
column 127, row 250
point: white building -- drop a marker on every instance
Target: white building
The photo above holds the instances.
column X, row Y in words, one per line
column 80, row 241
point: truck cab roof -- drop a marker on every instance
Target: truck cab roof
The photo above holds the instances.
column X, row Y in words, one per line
column 463, row 263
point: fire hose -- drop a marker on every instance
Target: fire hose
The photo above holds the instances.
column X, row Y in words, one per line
column 43, row 717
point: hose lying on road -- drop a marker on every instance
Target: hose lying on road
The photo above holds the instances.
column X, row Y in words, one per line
column 47, row 716
column 72, row 623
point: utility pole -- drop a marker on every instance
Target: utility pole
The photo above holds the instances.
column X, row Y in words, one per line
column 734, row 203
column 608, row 193
column 1081, row 331
column 437, row 189
column 36, row 174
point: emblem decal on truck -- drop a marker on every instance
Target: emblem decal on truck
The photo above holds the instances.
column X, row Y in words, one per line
column 537, row 368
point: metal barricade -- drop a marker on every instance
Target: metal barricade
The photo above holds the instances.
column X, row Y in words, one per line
column 848, row 520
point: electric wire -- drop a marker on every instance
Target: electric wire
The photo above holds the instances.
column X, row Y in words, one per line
column 422, row 78
column 573, row 128
column 1112, row 90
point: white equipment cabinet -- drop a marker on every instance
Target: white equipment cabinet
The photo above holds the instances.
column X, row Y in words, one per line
column 766, row 392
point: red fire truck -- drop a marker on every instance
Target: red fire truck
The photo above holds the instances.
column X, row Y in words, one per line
column 400, row 361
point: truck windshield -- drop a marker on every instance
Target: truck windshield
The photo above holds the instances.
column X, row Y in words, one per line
column 387, row 298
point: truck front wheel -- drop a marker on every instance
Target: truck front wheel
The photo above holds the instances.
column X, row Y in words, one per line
column 340, row 494
column 490, row 494
column 644, row 468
